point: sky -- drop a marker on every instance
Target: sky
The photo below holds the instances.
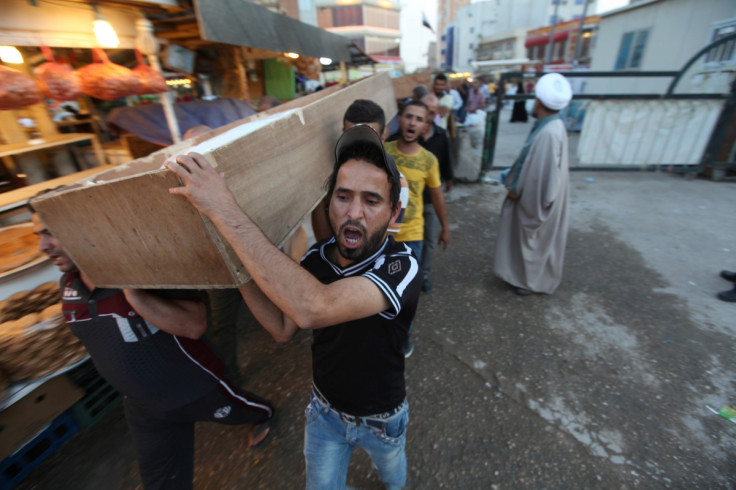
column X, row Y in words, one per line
column 415, row 38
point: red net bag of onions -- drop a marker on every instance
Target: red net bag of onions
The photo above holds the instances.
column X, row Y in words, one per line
column 17, row 90
column 152, row 81
column 56, row 80
column 107, row 81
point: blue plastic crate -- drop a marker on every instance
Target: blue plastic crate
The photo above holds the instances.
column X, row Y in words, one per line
column 99, row 396
column 16, row 466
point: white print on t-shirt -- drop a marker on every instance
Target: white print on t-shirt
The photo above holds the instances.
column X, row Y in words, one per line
column 394, row 267
column 71, row 293
column 222, row 412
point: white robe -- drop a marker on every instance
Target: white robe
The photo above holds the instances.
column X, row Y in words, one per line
column 530, row 248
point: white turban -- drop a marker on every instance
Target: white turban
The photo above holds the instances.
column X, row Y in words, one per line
column 554, row 91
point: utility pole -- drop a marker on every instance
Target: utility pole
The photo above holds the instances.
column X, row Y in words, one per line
column 579, row 38
column 551, row 43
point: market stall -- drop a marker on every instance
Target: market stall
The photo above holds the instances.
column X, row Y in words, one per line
column 56, row 85
column 59, row 118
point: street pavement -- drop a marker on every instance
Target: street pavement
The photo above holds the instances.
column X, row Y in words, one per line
column 603, row 385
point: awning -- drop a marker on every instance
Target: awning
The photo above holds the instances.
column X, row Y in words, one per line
column 242, row 23
column 479, row 65
column 537, row 40
column 358, row 57
column 387, row 59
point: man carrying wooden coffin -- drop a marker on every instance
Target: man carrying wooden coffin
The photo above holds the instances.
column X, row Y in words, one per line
column 358, row 290
column 149, row 347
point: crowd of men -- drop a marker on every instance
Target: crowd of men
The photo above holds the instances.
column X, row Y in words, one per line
column 357, row 288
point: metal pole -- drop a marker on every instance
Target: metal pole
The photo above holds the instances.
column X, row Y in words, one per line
column 344, row 72
column 579, row 39
column 551, row 43
column 148, row 45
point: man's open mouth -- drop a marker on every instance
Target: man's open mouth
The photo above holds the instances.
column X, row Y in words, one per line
column 352, row 236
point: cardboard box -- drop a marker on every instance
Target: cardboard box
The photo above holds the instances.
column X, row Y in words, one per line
column 124, row 229
column 25, row 418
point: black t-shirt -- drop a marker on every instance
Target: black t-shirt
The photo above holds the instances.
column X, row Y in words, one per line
column 359, row 365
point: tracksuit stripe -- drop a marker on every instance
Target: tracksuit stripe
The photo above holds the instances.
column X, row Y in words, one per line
column 223, row 383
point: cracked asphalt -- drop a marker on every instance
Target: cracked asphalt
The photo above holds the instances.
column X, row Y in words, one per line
column 603, row 385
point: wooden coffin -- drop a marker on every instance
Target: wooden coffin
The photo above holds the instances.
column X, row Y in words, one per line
column 403, row 86
column 123, row 229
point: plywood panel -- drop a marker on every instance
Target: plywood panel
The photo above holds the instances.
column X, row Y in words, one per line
column 404, row 85
column 126, row 230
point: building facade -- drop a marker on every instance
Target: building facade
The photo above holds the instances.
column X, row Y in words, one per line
column 571, row 44
column 373, row 25
column 496, row 29
column 653, row 35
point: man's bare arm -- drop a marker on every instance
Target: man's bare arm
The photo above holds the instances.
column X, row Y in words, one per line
column 294, row 291
column 281, row 327
column 438, row 201
column 180, row 317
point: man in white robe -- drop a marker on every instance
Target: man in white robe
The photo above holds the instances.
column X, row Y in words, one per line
column 532, row 235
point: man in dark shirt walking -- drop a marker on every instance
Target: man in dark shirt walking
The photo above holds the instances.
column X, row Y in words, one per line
column 148, row 346
column 358, row 290
column 437, row 141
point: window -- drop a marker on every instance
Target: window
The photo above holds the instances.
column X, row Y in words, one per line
column 724, row 52
column 558, row 50
column 585, row 45
column 347, row 16
column 631, row 50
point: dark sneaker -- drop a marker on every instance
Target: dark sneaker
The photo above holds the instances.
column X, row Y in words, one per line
column 408, row 349
column 729, row 296
column 729, row 275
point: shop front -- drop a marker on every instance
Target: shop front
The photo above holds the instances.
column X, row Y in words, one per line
column 63, row 101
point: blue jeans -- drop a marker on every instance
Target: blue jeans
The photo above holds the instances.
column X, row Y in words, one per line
column 329, row 441
column 416, row 247
column 431, row 234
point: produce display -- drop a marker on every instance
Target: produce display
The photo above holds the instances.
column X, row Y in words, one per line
column 107, row 80
column 152, row 81
column 18, row 247
column 102, row 79
column 57, row 81
column 34, row 338
column 17, row 90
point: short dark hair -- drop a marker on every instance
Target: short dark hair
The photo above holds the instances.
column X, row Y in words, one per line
column 373, row 154
column 440, row 76
column 365, row 111
column 419, row 91
column 415, row 102
column 29, row 204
